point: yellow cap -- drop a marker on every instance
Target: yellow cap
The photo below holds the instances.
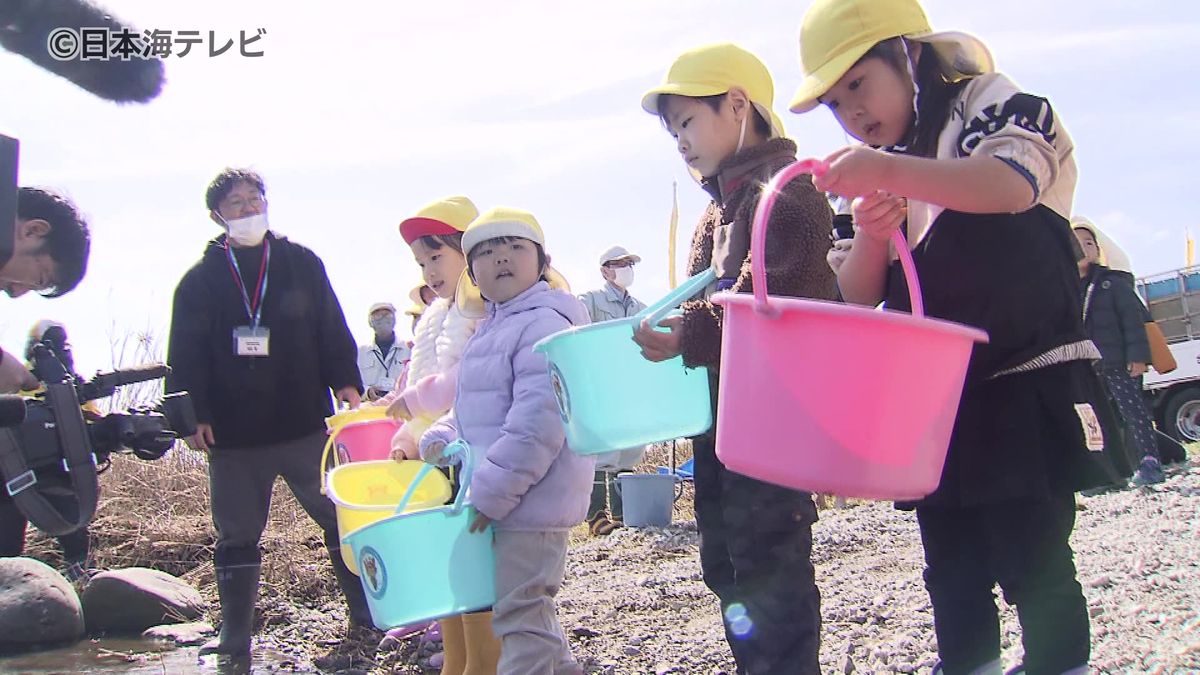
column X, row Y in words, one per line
column 715, row 69
column 444, row 216
column 501, row 221
column 835, row 34
column 418, row 306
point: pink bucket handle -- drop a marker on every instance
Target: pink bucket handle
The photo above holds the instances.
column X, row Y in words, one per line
column 758, row 240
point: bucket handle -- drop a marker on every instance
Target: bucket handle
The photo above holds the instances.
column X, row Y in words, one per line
column 659, row 310
column 325, row 456
column 758, row 240
column 458, row 447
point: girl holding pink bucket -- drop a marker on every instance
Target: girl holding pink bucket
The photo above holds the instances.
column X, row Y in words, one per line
column 755, row 537
column 527, row 482
column 980, row 176
column 425, row 391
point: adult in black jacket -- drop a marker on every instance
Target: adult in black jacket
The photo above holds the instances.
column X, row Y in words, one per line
column 260, row 341
column 1114, row 319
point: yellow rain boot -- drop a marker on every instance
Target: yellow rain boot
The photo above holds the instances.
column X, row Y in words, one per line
column 454, row 648
column 483, row 647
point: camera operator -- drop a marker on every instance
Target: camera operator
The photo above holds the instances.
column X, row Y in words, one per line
column 49, row 254
column 74, row 545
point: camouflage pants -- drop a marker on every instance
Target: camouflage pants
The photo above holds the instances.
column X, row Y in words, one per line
column 755, row 553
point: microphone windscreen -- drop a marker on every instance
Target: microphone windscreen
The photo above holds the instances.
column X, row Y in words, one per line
column 26, row 27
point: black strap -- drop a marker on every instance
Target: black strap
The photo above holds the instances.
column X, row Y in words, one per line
column 20, row 481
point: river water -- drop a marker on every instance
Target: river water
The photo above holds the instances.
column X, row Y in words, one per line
column 134, row 655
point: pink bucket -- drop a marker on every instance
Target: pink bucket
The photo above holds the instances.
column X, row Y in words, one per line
column 836, row 398
column 365, row 441
column 360, row 435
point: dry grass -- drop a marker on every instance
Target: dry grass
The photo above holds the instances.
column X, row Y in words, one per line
column 156, row 514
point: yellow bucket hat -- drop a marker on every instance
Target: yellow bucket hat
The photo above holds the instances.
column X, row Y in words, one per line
column 835, row 34
column 715, row 69
column 501, row 221
column 418, row 307
column 450, row 215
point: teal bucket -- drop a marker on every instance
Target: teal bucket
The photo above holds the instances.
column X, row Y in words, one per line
column 647, row 498
column 611, row 398
column 425, row 565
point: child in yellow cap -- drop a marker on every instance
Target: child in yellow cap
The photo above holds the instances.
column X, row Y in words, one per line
column 425, row 391
column 527, row 483
column 755, row 538
column 980, row 175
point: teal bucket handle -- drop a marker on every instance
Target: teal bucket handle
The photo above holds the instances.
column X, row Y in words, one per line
column 458, row 447
column 659, row 310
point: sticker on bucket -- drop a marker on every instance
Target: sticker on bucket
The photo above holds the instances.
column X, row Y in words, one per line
column 374, row 574
column 560, row 394
column 343, row 455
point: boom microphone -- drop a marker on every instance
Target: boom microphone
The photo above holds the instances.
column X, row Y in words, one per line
column 26, row 27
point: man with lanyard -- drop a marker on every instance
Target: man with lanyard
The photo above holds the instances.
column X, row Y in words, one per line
column 259, row 339
column 613, row 301
column 380, row 362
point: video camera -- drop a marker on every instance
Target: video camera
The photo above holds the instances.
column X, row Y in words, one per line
column 48, row 444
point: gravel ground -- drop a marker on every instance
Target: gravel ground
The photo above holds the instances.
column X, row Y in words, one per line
column 634, row 602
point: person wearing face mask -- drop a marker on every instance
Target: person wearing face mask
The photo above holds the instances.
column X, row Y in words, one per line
column 259, row 340
column 380, row 362
column 613, row 301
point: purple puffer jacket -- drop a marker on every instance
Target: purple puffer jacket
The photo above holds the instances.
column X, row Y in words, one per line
column 527, row 477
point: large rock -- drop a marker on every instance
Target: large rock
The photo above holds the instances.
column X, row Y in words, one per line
column 37, row 606
column 134, row 599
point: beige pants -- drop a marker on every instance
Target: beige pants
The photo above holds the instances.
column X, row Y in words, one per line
column 529, row 571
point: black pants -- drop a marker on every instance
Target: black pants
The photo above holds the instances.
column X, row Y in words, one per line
column 12, row 531
column 755, row 553
column 604, row 485
column 1024, row 546
column 1127, row 392
column 240, row 483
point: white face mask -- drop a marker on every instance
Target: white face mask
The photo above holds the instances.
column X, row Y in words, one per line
column 384, row 325
column 623, row 277
column 248, row 231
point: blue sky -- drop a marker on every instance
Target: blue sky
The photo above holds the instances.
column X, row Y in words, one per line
column 358, row 116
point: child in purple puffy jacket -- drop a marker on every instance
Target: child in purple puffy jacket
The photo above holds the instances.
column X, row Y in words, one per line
column 527, row 483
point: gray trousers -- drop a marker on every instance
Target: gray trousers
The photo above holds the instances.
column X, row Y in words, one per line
column 240, row 482
column 529, row 571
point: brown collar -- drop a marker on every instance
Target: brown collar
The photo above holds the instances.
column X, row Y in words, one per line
column 735, row 171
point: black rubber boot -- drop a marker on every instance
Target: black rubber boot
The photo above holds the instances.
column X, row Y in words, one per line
column 238, row 588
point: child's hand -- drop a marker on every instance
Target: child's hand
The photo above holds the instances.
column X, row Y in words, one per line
column 855, row 171
column 480, row 523
column 432, row 454
column 656, row 345
column 398, row 410
column 880, row 214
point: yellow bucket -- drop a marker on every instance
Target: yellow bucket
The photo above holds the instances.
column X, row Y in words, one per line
column 365, row 492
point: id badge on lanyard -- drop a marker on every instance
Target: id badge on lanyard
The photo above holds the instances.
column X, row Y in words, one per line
column 253, row 340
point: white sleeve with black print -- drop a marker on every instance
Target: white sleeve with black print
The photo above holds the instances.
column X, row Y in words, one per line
column 994, row 117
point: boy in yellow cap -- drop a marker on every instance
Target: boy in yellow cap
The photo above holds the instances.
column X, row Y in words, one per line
column 527, row 482
column 981, row 177
column 755, row 538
